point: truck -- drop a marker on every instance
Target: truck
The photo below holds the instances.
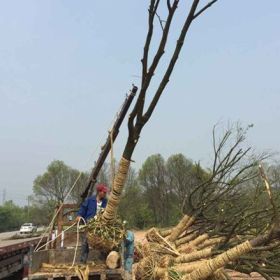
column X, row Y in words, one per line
column 57, row 259
column 57, row 264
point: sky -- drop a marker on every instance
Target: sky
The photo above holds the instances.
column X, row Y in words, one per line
column 65, row 67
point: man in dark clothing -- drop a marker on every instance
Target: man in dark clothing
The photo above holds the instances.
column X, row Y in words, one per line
column 89, row 208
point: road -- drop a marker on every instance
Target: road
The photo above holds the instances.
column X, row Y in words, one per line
column 5, row 235
column 6, row 241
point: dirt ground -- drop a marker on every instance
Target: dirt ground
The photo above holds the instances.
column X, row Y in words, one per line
column 140, row 237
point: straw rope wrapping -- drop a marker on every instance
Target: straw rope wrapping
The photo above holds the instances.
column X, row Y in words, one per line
column 153, row 236
column 183, row 225
column 219, row 275
column 146, row 268
column 200, row 239
column 192, row 245
column 210, row 266
column 211, row 242
column 165, row 233
column 182, row 241
column 83, row 274
column 114, row 199
column 185, row 268
column 185, row 258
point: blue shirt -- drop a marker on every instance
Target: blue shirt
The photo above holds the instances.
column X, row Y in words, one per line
column 89, row 207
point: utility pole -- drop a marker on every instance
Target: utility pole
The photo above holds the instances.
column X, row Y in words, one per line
column 4, row 196
column 28, row 203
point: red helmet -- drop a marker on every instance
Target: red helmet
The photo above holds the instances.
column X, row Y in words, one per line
column 102, row 188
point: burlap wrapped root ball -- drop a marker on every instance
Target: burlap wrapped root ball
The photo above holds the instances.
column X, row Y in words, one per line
column 105, row 236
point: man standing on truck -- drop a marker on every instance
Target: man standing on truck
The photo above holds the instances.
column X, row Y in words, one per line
column 89, row 208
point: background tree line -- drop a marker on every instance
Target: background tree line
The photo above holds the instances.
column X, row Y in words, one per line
column 153, row 195
column 165, row 189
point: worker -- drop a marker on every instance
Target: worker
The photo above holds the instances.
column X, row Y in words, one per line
column 90, row 208
column 128, row 253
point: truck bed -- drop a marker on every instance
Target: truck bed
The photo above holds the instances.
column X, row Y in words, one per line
column 56, row 264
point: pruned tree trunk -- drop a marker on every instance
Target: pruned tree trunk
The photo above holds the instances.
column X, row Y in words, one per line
column 119, row 181
column 183, row 225
column 113, row 260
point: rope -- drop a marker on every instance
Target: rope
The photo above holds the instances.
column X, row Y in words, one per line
column 112, row 157
column 268, row 189
column 37, row 249
column 210, row 266
column 58, row 210
column 195, row 256
column 177, row 230
column 77, row 241
column 114, row 199
column 265, row 179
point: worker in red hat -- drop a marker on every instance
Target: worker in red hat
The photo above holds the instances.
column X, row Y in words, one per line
column 90, row 208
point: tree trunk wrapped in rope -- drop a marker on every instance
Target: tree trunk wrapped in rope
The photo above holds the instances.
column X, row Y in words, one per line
column 106, row 231
column 115, row 196
column 183, row 225
column 209, row 267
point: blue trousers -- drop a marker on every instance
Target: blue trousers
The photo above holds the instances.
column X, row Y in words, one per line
column 84, row 249
column 128, row 250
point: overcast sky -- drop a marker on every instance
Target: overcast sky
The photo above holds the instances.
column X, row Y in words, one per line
column 66, row 65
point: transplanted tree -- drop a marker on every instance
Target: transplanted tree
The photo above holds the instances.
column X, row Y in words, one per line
column 141, row 114
column 231, row 221
column 225, row 176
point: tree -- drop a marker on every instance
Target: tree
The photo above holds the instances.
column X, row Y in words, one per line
column 134, row 208
column 11, row 216
column 52, row 186
column 152, row 178
column 232, row 220
column 183, row 176
column 139, row 115
column 220, row 201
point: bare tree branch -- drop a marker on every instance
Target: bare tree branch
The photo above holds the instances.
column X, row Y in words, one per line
column 173, row 60
column 204, row 9
column 138, row 108
column 168, row 5
column 152, row 11
column 161, row 21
